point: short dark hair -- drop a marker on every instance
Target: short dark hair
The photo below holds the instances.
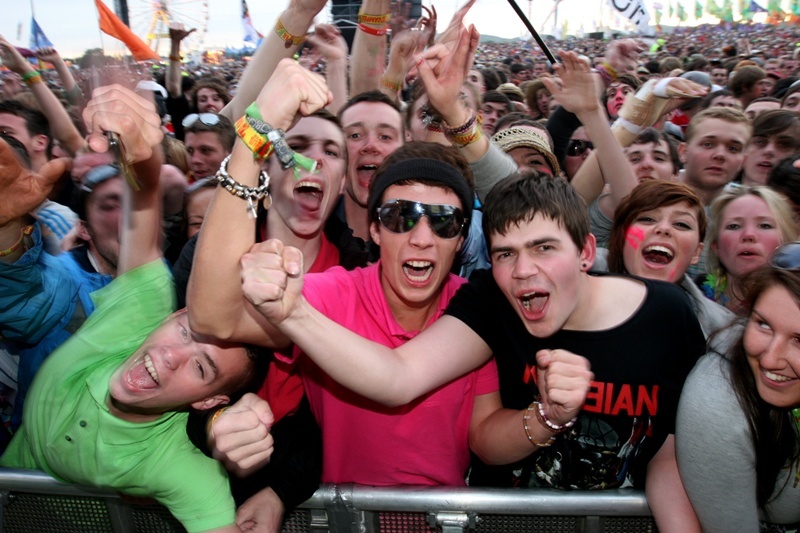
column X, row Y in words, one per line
column 777, row 121
column 646, row 196
column 710, row 97
column 19, row 150
column 422, row 150
column 785, row 178
column 654, row 136
column 224, row 130
column 36, row 122
column 496, row 97
column 253, row 377
column 368, row 96
column 521, row 196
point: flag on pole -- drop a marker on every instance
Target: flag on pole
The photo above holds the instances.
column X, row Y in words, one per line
column 671, row 9
column 113, row 26
column 251, row 34
column 635, row 11
column 698, row 9
column 755, row 8
column 681, row 12
column 38, row 38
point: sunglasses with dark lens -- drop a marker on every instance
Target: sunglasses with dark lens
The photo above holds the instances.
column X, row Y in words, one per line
column 209, row 119
column 786, row 256
column 401, row 216
column 578, row 147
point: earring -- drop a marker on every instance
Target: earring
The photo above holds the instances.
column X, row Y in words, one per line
column 583, row 265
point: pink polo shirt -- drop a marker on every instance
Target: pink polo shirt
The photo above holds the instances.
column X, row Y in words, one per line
column 422, row 443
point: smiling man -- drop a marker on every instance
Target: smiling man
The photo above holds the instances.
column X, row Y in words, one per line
column 126, row 378
column 419, row 209
column 557, row 425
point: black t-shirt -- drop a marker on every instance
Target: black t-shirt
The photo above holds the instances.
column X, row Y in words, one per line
column 639, row 368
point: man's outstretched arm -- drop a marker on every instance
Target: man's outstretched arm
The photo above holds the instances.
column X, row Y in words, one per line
column 272, row 282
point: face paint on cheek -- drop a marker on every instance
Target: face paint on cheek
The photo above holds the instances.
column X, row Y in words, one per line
column 673, row 274
column 634, row 237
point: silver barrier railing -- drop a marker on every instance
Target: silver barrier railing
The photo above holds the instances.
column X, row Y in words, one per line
column 34, row 502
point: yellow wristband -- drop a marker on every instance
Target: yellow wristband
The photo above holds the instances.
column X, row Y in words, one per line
column 392, row 86
column 373, row 19
column 289, row 40
column 258, row 144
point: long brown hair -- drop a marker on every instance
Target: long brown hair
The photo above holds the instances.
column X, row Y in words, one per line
column 772, row 428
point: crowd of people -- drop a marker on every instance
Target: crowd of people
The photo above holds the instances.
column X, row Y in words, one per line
column 415, row 260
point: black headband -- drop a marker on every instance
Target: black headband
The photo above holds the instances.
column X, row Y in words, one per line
column 431, row 170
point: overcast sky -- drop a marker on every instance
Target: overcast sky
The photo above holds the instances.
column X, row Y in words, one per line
column 72, row 24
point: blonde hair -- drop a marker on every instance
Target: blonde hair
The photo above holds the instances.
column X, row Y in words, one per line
column 778, row 205
column 727, row 114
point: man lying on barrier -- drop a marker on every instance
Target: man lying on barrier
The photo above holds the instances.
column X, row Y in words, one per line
column 108, row 408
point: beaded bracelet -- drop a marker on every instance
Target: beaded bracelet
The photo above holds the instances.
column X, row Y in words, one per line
column 373, row 19
column 250, row 194
column 373, row 31
column 525, row 418
column 542, row 417
column 255, row 140
column 467, row 126
column 24, row 231
column 288, row 39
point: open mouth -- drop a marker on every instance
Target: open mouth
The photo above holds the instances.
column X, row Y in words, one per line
column 748, row 253
column 365, row 173
column 418, row 271
column 143, row 374
column 308, row 194
column 659, row 255
column 534, row 302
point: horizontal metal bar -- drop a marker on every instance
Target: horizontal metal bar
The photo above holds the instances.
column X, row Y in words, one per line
column 541, row 502
column 544, row 502
column 21, row 480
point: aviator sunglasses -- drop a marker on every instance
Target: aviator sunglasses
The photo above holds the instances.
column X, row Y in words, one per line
column 401, row 216
column 209, row 119
column 577, row 147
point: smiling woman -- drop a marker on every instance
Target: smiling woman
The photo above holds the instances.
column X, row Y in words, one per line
column 737, row 434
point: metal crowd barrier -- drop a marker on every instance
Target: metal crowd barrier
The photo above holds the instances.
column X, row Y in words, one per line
column 34, row 502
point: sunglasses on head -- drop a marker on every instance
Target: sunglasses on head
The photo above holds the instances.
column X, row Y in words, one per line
column 786, row 256
column 209, row 119
column 578, row 147
column 401, row 216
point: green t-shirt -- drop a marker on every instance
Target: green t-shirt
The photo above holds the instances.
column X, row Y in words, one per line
column 69, row 433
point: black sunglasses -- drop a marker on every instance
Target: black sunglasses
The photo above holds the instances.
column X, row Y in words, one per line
column 577, row 147
column 400, row 216
column 209, row 119
column 786, row 256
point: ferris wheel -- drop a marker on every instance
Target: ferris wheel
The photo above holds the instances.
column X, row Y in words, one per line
column 150, row 20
